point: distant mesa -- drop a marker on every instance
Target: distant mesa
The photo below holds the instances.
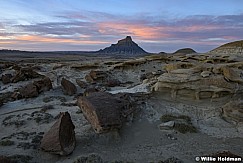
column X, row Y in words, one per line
column 235, row 48
column 185, row 51
column 124, row 47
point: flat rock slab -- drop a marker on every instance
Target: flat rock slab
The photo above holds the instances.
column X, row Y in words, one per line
column 60, row 139
column 103, row 110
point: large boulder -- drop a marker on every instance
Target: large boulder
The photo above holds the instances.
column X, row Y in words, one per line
column 102, row 77
column 103, row 110
column 60, row 139
column 68, row 87
column 232, row 74
column 43, row 85
column 96, row 76
column 233, row 111
column 33, row 89
column 6, row 78
column 25, row 74
column 29, row 91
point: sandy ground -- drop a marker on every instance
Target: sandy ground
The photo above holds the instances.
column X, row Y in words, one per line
column 140, row 139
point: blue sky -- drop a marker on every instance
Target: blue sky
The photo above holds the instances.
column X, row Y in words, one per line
column 156, row 25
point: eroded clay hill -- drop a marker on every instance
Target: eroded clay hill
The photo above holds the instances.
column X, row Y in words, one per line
column 233, row 48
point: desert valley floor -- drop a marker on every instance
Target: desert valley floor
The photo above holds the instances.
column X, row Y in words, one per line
column 171, row 108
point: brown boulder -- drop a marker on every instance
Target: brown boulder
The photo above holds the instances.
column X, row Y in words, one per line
column 232, row 74
column 33, row 89
column 60, row 139
column 68, row 87
column 25, row 74
column 81, row 83
column 89, row 79
column 43, row 85
column 102, row 77
column 98, row 75
column 16, row 95
column 103, row 110
column 29, row 91
column 233, row 111
column 4, row 159
column 6, row 78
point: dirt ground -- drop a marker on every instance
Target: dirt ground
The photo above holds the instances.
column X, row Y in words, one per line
column 140, row 139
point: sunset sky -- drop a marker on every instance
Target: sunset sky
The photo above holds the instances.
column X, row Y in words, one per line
column 156, row 25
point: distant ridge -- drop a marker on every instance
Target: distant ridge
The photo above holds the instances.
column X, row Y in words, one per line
column 232, row 48
column 185, row 51
column 125, row 47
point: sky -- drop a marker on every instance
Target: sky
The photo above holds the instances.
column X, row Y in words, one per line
column 88, row 25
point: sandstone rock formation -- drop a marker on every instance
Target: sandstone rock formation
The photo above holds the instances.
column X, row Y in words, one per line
column 129, row 64
column 233, row 111
column 124, row 47
column 68, row 87
column 81, row 83
column 33, row 89
column 6, row 78
column 29, row 91
column 60, row 139
column 43, row 85
column 98, row 75
column 102, row 110
column 25, row 74
column 199, row 81
column 102, row 77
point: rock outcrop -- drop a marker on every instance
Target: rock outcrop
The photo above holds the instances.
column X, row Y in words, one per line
column 232, row 48
column 43, row 85
column 102, row 77
column 233, row 111
column 124, row 47
column 60, row 139
column 81, row 83
column 103, row 110
column 29, row 91
column 33, row 89
column 68, row 87
column 199, row 81
column 6, row 78
column 25, row 74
